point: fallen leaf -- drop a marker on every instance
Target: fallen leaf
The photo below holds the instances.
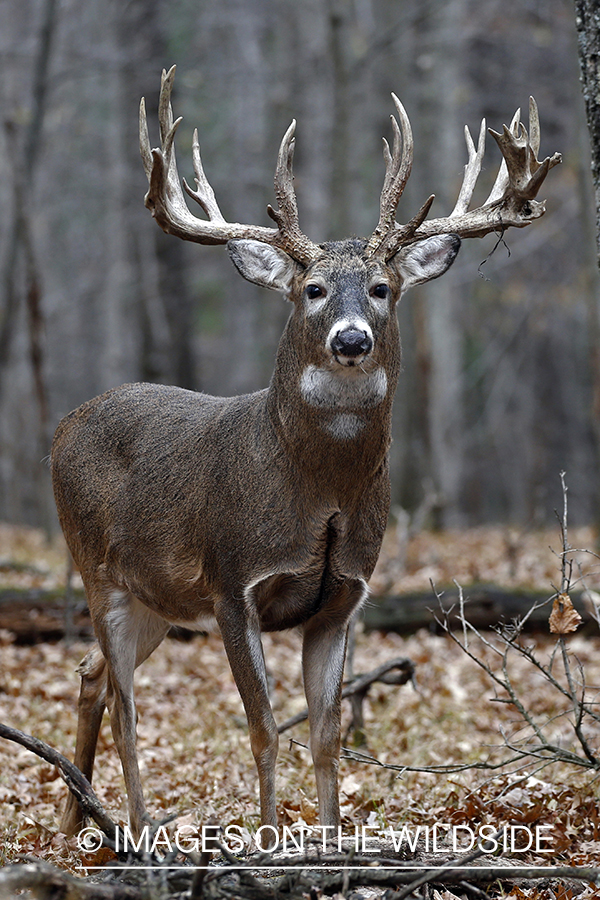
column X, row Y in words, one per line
column 350, row 786
column 564, row 617
column 309, row 811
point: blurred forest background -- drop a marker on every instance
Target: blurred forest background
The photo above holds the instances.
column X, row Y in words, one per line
column 501, row 378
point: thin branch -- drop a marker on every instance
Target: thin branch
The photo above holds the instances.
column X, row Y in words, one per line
column 577, row 704
column 357, row 756
column 566, row 565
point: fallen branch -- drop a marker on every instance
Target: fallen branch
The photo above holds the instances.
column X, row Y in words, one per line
column 35, row 614
column 488, row 605
column 322, row 873
column 46, row 882
column 32, row 615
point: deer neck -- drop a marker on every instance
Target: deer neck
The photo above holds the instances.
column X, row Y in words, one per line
column 330, row 418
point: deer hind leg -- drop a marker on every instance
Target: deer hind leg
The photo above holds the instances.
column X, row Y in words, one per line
column 128, row 634
column 92, row 702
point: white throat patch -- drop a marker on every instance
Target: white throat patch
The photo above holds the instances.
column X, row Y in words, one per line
column 345, row 426
column 349, row 388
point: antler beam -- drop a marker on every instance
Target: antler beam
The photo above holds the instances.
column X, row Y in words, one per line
column 166, row 200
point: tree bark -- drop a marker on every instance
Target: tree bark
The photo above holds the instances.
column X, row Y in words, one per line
column 588, row 33
column 587, row 20
column 22, row 271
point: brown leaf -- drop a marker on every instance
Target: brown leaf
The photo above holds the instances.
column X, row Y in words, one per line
column 309, row 811
column 564, row 617
column 102, row 857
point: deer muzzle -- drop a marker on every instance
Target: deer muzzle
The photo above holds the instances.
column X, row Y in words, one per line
column 350, row 344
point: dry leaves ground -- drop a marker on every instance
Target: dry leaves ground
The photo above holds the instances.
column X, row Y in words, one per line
column 193, row 745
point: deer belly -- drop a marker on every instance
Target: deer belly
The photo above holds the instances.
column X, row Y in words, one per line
column 178, row 593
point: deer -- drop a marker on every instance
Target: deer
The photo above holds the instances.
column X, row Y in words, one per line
column 266, row 511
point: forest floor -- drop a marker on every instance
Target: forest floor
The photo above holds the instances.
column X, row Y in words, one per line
column 193, row 745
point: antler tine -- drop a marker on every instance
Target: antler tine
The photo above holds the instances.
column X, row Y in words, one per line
column 398, row 165
column 472, row 170
column 166, row 200
column 292, row 240
column 204, row 195
column 404, row 234
column 165, row 111
column 165, row 197
column 167, row 126
column 145, row 151
column 525, row 173
column 403, row 162
column 501, row 182
column 534, row 127
column 287, row 213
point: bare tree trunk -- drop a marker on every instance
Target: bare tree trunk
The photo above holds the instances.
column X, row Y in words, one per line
column 340, row 194
column 442, row 319
column 22, row 275
column 588, row 33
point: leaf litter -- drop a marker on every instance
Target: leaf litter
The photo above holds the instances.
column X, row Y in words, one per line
column 192, row 736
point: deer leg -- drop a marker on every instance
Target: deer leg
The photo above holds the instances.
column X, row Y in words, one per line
column 323, row 655
column 131, row 632
column 240, row 630
column 123, row 719
column 92, row 700
column 127, row 632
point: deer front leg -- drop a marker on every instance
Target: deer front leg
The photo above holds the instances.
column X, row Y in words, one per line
column 240, row 630
column 323, row 655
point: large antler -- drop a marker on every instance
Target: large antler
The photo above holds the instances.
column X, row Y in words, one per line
column 166, row 200
column 511, row 201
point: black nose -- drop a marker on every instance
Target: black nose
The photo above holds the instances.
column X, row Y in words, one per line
column 352, row 343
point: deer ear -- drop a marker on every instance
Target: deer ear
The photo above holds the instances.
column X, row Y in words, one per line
column 426, row 259
column 263, row 264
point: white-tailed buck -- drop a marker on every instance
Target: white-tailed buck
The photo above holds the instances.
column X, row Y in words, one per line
column 264, row 511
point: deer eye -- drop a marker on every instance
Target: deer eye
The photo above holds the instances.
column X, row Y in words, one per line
column 380, row 291
column 314, row 291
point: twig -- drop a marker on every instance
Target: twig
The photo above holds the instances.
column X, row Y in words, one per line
column 566, row 565
column 434, row 873
column 450, row 769
column 578, row 705
column 541, row 748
